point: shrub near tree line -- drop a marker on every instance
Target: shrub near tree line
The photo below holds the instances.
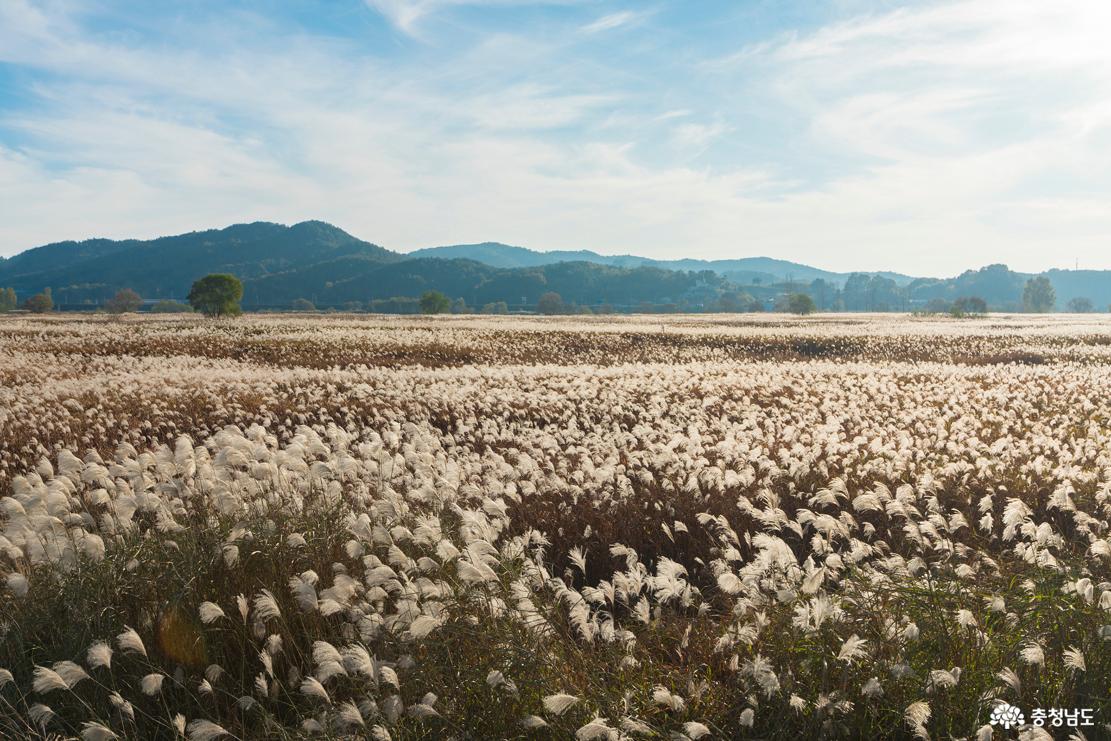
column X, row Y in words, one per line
column 40, row 303
column 968, row 306
column 801, row 303
column 497, row 307
column 1039, row 296
column 303, row 304
column 550, row 303
column 171, row 307
column 123, row 302
column 8, row 300
column 736, row 302
column 1080, row 305
column 434, row 302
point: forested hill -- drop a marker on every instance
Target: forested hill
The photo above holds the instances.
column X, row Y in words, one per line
column 166, row 267
column 324, row 264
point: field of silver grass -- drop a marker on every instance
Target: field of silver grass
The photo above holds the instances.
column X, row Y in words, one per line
column 720, row 527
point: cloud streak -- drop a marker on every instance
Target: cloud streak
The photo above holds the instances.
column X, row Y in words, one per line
column 611, row 21
column 407, row 15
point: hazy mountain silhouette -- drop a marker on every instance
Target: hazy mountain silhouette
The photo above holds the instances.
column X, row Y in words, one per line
column 321, row 262
column 325, row 264
column 741, row 270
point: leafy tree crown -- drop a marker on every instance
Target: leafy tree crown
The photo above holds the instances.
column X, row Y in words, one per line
column 216, row 295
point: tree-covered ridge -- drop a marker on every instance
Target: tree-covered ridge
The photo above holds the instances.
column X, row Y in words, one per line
column 324, row 264
column 330, row 268
column 740, row 270
column 95, row 270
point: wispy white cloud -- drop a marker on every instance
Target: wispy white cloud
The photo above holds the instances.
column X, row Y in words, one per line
column 529, row 107
column 407, row 14
column 698, row 135
column 613, row 20
column 930, row 138
column 674, row 113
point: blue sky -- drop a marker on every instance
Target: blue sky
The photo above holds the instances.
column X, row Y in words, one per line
column 926, row 137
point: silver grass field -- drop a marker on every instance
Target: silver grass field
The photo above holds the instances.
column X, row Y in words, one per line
column 601, row 528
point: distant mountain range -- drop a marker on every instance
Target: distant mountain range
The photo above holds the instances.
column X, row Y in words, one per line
column 320, row 262
column 741, row 270
column 330, row 267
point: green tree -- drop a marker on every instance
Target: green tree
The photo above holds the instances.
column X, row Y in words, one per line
column 459, row 306
column 434, row 302
column 217, row 295
column 1038, row 296
column 303, row 304
column 8, row 300
column 800, row 303
column 550, row 303
column 123, row 302
column 1080, row 305
column 40, row 303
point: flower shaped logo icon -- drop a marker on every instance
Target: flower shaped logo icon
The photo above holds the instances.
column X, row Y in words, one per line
column 1006, row 715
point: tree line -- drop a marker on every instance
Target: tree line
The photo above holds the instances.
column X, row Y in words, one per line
column 220, row 294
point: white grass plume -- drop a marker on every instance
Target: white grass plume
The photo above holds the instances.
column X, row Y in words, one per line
column 559, row 703
column 129, row 640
